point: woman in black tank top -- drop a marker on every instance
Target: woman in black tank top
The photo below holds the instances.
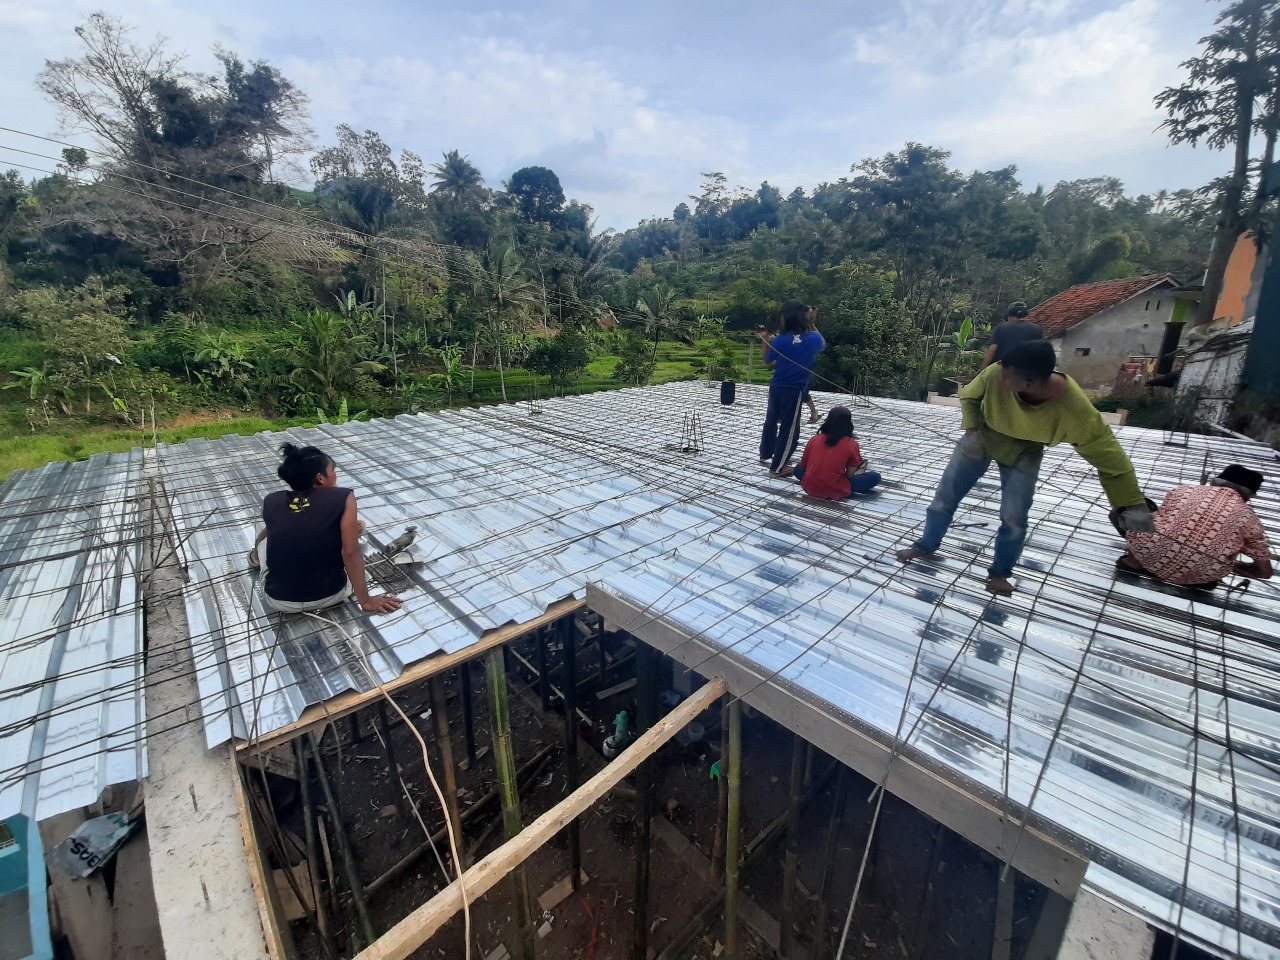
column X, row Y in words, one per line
column 312, row 556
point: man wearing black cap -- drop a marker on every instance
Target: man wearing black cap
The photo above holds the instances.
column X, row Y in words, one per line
column 1012, row 332
column 1201, row 531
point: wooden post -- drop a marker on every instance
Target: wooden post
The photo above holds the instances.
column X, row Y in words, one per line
column 344, row 847
column 313, row 847
column 828, row 863
column 544, row 681
column 384, row 726
column 926, row 895
column 786, row 939
column 504, row 759
column 722, row 796
column 646, row 709
column 731, row 831
column 468, row 718
column 569, row 646
column 440, row 711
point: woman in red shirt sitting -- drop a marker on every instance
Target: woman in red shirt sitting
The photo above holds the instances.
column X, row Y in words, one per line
column 832, row 466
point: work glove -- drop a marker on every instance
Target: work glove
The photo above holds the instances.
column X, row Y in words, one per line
column 1137, row 518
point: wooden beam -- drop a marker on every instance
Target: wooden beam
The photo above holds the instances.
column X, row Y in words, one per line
column 731, row 830
column 315, row 717
column 263, row 892
column 414, row 930
column 976, row 814
column 444, row 743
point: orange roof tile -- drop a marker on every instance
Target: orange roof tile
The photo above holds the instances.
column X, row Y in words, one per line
column 1059, row 314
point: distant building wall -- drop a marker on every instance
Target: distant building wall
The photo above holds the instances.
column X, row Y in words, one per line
column 1092, row 351
column 1240, row 284
column 1211, row 375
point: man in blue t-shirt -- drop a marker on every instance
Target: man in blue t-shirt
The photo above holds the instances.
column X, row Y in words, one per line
column 792, row 354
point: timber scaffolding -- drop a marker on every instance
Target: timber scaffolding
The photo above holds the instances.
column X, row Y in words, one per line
column 1105, row 737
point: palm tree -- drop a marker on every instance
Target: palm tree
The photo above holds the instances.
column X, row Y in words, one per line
column 328, row 356
column 657, row 306
column 497, row 284
column 456, row 177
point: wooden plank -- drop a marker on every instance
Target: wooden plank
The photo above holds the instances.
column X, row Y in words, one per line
column 618, row 688
column 980, row 819
column 262, row 891
column 315, row 717
column 413, row 931
column 556, row 893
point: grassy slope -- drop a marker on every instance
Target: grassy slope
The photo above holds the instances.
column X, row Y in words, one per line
column 23, row 448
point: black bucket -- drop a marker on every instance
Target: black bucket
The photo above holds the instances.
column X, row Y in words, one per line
column 728, row 389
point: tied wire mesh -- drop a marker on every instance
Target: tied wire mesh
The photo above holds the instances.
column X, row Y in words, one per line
column 691, row 440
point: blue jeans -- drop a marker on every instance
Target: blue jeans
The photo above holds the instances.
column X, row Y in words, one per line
column 781, row 425
column 858, row 483
column 1017, row 489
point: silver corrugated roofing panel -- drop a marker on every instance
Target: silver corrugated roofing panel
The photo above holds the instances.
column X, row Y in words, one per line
column 518, row 510
column 71, row 697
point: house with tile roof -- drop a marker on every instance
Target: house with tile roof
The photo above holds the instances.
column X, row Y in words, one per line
column 1097, row 327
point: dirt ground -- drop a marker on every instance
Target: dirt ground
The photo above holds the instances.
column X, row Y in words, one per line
column 895, row 917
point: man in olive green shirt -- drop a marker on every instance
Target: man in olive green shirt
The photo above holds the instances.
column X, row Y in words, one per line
column 1012, row 411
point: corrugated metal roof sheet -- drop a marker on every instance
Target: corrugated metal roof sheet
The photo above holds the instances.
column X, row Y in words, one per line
column 71, row 696
column 516, row 511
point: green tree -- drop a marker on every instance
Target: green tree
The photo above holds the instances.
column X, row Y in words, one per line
column 1229, row 96
column 635, row 366
column 537, row 194
column 83, row 330
column 330, row 360
column 562, row 357
column 498, row 286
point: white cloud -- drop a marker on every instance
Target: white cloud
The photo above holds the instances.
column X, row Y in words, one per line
column 1041, row 84
column 507, row 105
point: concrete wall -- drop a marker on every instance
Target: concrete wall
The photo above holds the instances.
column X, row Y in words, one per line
column 1112, row 336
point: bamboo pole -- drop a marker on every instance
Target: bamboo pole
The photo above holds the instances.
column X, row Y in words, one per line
column 569, row 646
column 440, row 711
column 646, row 705
column 732, row 823
column 722, row 796
column 828, row 862
column 313, row 847
column 384, row 726
column 786, row 942
column 344, row 846
column 544, row 681
column 468, row 717
column 504, row 759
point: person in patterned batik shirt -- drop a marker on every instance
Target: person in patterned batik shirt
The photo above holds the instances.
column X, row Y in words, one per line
column 1201, row 531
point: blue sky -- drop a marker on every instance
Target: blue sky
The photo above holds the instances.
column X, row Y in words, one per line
column 629, row 103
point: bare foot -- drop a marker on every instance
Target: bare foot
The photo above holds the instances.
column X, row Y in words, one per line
column 1000, row 586
column 814, row 418
column 908, row 554
column 784, row 472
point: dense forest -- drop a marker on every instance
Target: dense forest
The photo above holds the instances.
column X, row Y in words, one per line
column 179, row 267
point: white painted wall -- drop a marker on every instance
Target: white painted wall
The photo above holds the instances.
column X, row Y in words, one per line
column 1112, row 336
